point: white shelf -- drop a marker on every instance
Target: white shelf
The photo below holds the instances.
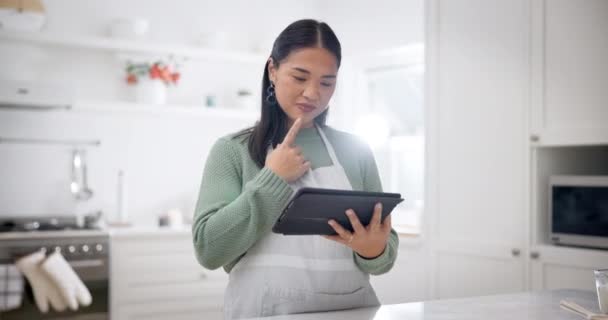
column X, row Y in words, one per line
column 110, row 107
column 168, row 109
column 572, row 137
column 124, row 46
column 552, row 250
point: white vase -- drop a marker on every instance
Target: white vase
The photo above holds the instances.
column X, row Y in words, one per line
column 150, row 91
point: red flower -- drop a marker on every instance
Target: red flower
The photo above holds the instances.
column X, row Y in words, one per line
column 155, row 72
column 175, row 77
column 131, row 79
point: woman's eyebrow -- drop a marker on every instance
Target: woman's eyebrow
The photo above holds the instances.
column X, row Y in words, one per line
column 329, row 76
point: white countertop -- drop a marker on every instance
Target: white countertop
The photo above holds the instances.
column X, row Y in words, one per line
column 145, row 231
column 114, row 232
column 529, row 305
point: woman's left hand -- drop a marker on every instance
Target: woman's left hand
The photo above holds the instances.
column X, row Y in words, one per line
column 370, row 241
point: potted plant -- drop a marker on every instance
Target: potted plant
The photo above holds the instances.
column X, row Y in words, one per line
column 151, row 80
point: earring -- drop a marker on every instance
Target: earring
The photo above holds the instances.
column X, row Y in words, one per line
column 270, row 94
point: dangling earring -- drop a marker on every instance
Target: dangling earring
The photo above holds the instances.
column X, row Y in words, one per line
column 270, row 94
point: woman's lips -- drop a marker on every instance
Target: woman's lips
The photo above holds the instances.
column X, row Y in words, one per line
column 305, row 107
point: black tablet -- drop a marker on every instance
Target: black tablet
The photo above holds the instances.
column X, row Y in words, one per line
column 311, row 208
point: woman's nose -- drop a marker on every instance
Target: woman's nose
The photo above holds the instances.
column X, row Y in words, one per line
column 312, row 92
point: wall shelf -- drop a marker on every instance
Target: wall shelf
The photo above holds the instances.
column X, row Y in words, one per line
column 126, row 46
column 571, row 137
column 110, row 107
column 123, row 107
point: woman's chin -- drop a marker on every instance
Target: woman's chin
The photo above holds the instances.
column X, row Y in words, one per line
column 307, row 118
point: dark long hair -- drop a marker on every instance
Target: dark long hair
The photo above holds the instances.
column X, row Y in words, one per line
column 272, row 126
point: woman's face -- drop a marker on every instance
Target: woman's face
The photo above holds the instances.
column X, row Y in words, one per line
column 304, row 82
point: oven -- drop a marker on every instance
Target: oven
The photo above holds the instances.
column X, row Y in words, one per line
column 86, row 251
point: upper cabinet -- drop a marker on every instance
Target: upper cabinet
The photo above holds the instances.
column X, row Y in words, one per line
column 569, row 72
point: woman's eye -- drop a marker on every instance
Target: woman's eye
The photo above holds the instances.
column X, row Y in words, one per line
column 299, row 79
column 325, row 84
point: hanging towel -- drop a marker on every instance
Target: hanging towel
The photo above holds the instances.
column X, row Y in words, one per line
column 11, row 287
column 70, row 285
column 45, row 290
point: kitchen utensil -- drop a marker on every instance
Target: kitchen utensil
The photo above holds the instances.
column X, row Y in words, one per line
column 78, row 185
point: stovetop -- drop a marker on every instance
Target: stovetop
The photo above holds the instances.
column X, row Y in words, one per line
column 54, row 223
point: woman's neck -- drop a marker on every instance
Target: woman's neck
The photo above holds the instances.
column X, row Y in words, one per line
column 304, row 125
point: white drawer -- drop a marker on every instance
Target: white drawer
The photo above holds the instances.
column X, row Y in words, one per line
column 148, row 269
column 187, row 309
column 145, row 246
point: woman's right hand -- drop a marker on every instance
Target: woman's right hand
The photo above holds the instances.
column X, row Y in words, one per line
column 286, row 159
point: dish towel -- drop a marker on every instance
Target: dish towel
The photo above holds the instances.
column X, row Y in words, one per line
column 45, row 290
column 71, row 287
column 577, row 309
column 11, row 287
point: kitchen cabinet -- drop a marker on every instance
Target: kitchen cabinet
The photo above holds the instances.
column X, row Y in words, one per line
column 154, row 274
column 556, row 267
column 568, row 132
column 477, row 72
column 407, row 281
column 516, row 94
column 569, row 69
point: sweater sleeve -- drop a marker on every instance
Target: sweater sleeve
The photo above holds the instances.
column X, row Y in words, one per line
column 371, row 182
column 229, row 216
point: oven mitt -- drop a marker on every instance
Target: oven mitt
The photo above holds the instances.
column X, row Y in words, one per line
column 45, row 290
column 71, row 287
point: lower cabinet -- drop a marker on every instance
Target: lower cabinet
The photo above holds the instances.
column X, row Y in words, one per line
column 155, row 275
column 554, row 267
column 407, row 281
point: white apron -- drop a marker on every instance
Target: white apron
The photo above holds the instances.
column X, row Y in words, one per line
column 294, row 274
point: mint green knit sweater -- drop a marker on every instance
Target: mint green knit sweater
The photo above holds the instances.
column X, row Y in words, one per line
column 239, row 202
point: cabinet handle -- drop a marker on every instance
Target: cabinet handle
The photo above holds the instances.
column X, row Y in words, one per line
column 534, row 138
column 515, row 252
column 534, row 255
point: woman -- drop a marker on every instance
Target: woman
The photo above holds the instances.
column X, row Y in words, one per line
column 250, row 176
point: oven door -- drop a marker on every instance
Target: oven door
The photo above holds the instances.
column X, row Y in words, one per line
column 94, row 274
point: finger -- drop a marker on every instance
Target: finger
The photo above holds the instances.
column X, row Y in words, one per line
column 297, row 151
column 387, row 225
column 290, row 137
column 354, row 221
column 376, row 222
column 305, row 166
column 343, row 233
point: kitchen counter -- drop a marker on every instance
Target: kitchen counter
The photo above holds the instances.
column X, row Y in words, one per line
column 529, row 305
column 51, row 234
column 149, row 231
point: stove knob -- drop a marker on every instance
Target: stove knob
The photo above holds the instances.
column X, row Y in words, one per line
column 72, row 249
column 58, row 249
column 99, row 247
column 85, row 248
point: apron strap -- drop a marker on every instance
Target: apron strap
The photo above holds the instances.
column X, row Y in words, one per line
column 328, row 146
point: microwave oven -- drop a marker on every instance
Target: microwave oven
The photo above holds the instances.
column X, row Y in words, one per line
column 578, row 211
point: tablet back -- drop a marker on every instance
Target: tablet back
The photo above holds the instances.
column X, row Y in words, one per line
column 311, row 208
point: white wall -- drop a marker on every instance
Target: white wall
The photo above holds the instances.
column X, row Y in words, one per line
column 163, row 156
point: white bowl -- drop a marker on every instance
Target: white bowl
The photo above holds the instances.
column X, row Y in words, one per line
column 128, row 27
column 13, row 20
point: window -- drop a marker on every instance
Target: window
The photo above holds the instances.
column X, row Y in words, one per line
column 389, row 114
